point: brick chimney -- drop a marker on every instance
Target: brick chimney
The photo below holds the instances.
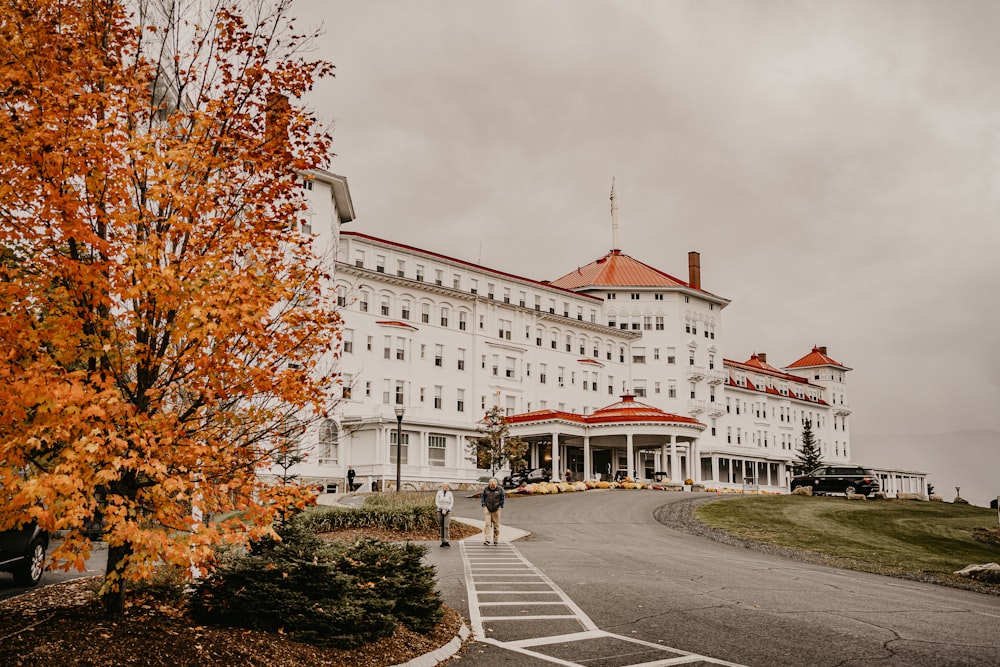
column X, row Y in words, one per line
column 694, row 269
column 762, row 356
column 822, row 349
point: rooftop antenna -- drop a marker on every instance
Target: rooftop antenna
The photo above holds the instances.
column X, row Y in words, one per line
column 614, row 218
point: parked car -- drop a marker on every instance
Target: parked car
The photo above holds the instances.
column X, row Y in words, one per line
column 839, row 479
column 22, row 552
column 528, row 476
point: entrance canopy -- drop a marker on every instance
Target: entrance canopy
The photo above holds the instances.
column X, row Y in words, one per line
column 623, row 428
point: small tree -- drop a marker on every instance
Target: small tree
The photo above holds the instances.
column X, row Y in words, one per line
column 809, row 454
column 496, row 448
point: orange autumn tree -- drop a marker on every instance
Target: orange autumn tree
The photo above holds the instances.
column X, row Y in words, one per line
column 163, row 323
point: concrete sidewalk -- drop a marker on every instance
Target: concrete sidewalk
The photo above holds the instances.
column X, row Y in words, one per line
column 507, row 533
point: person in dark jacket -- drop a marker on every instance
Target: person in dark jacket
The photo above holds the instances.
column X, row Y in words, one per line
column 350, row 479
column 492, row 500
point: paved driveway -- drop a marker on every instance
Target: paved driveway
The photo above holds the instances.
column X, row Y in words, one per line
column 634, row 579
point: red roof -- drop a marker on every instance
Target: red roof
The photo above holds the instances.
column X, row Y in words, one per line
column 397, row 323
column 817, row 357
column 626, row 410
column 617, row 270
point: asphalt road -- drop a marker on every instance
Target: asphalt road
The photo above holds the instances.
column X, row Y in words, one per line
column 636, row 579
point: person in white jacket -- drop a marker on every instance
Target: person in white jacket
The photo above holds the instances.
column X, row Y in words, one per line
column 444, row 501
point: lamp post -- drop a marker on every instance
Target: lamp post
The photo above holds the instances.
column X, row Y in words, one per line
column 399, row 444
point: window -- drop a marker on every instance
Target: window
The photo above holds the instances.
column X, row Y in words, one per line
column 509, row 368
column 405, row 310
column 328, row 442
column 671, row 389
column 384, row 307
column 359, row 259
column 420, row 273
column 504, row 329
column 387, row 348
column 658, row 297
column 656, row 354
column 569, row 342
column 611, row 295
column 460, row 400
column 439, row 355
column 425, row 313
column 490, row 287
column 348, row 341
column 693, row 387
column 656, row 387
column 341, row 297
column 638, row 355
column 400, row 267
column 400, row 349
column 475, row 286
column 456, row 281
column 506, row 295
column 380, row 263
column 511, row 405
column 659, row 322
column 691, row 358
column 438, row 389
column 538, row 302
column 541, row 373
column 368, row 389
column 437, row 448
column 438, row 277
column 400, row 390
column 579, row 313
column 444, row 317
column 363, row 302
column 370, row 343
column 640, row 388
column 496, row 364
column 565, row 309
column 647, row 322
column 403, row 447
column 346, row 384
column 462, row 321
column 461, row 359
column 634, row 296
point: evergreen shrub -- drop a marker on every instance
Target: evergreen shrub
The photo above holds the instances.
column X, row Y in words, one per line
column 328, row 593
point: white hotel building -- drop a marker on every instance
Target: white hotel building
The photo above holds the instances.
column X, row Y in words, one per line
column 617, row 366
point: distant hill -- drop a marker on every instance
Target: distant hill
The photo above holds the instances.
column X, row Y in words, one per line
column 968, row 459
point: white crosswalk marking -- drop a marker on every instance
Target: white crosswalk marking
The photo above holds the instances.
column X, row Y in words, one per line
column 549, row 625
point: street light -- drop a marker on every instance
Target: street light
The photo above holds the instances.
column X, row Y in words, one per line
column 399, row 443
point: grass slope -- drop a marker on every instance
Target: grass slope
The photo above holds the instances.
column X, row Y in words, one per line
column 899, row 537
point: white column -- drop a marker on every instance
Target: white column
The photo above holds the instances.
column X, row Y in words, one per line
column 715, row 468
column 555, row 457
column 673, row 462
column 694, row 462
column 586, row 457
column 629, row 456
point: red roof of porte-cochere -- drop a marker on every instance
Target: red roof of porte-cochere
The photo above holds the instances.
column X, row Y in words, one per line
column 817, row 357
column 617, row 269
column 626, row 410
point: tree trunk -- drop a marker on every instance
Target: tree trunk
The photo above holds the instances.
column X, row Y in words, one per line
column 114, row 600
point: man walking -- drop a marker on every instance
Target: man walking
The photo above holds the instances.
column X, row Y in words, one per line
column 444, row 501
column 492, row 500
column 350, row 479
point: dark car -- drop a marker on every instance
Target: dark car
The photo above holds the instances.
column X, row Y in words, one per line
column 839, row 479
column 22, row 552
column 529, row 476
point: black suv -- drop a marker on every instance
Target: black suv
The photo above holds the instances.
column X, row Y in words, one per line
column 839, row 479
column 529, row 476
column 22, row 552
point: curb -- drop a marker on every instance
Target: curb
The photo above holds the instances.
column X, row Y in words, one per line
column 441, row 654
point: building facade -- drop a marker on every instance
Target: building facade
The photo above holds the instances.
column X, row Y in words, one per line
column 614, row 369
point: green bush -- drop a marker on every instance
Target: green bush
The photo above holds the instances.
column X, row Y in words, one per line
column 329, row 593
column 396, row 511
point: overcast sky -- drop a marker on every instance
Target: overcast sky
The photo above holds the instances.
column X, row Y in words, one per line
column 836, row 164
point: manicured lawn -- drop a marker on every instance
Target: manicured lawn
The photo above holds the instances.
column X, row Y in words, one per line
column 888, row 536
